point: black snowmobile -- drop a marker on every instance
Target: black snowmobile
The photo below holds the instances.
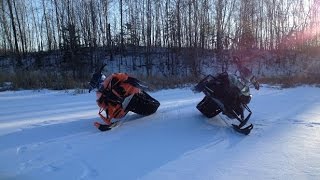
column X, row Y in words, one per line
column 229, row 94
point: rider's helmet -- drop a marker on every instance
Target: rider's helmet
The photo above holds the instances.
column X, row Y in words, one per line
column 97, row 78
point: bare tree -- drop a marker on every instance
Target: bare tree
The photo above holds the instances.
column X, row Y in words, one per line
column 19, row 62
column 48, row 29
column 175, row 24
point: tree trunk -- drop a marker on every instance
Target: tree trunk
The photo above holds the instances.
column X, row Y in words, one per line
column 19, row 62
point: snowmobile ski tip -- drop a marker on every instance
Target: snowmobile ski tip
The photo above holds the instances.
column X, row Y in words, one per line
column 244, row 131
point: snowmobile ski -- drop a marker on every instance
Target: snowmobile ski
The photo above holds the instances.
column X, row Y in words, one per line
column 105, row 127
column 244, row 131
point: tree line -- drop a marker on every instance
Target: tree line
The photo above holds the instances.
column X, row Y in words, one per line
column 46, row 25
column 28, row 25
column 175, row 31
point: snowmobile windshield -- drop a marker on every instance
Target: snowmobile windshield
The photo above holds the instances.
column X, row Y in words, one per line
column 237, row 82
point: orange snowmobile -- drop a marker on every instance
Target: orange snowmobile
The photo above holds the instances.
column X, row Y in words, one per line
column 118, row 94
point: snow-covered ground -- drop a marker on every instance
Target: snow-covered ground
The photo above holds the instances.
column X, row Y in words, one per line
column 50, row 135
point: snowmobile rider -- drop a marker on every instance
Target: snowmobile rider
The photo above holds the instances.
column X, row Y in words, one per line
column 110, row 96
column 237, row 86
column 245, row 74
